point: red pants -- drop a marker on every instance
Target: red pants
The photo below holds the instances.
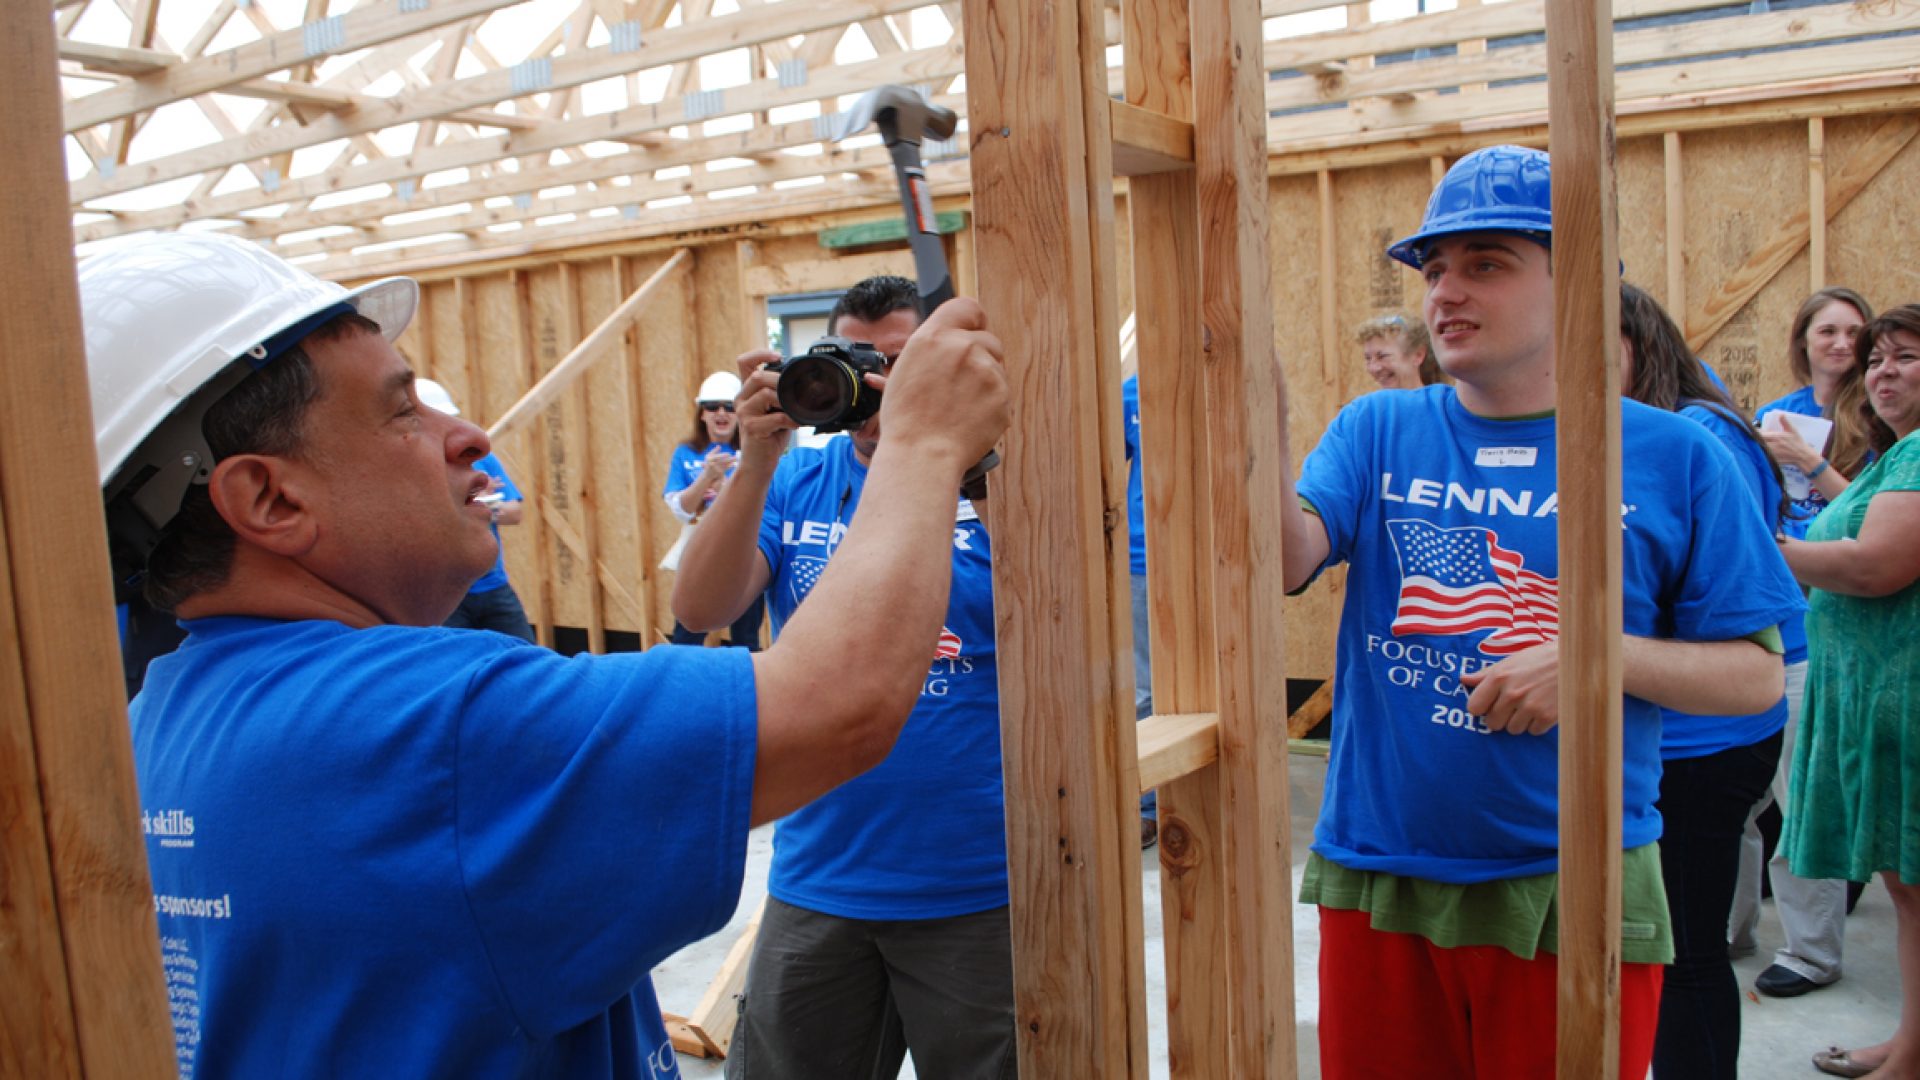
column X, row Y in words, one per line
column 1397, row 1006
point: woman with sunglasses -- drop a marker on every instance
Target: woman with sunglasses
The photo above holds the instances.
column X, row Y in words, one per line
column 700, row 466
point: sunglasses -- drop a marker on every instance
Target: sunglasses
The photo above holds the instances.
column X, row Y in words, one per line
column 716, row 406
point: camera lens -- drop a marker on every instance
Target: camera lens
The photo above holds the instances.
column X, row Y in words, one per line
column 815, row 390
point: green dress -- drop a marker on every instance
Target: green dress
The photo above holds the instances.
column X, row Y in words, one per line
column 1856, row 763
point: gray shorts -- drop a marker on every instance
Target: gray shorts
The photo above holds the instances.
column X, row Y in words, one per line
column 846, row 999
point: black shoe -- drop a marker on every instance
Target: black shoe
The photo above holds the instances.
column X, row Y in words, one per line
column 1784, row 982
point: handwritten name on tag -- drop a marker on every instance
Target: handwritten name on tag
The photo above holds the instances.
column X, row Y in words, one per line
column 1505, row 457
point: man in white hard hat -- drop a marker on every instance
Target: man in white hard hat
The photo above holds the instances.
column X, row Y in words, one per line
column 886, row 930
column 490, row 603
column 383, row 848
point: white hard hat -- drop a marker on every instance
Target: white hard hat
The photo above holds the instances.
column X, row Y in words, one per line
column 435, row 397
column 719, row 386
column 174, row 322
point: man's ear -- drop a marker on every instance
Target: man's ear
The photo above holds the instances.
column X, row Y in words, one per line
column 261, row 500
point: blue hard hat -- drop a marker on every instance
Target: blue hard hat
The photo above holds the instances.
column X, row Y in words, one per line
column 1497, row 189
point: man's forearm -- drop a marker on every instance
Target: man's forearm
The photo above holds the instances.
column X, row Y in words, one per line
column 1711, row 678
column 718, row 573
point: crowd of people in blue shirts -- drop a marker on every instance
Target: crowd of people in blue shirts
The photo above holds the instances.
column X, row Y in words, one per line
column 394, row 846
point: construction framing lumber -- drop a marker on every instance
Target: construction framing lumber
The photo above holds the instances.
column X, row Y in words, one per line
column 1043, row 205
column 1586, row 256
column 83, row 994
column 1245, row 461
column 584, row 355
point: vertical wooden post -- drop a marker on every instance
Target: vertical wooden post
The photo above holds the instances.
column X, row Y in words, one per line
column 1329, row 309
column 536, row 484
column 1816, row 204
column 1043, row 196
column 1676, row 226
column 475, row 368
column 587, row 490
column 1586, row 350
column 83, row 991
column 1245, row 411
column 646, row 503
column 1164, row 218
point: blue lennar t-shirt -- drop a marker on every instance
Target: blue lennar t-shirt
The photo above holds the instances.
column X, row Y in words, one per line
column 685, row 468
column 1804, row 510
column 1136, row 494
column 496, row 577
column 421, row 852
column 1687, row 735
column 923, row 835
column 1449, row 522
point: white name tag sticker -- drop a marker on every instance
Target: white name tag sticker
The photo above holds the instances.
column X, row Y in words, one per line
column 966, row 512
column 1506, row 457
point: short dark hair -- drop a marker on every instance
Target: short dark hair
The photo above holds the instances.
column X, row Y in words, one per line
column 1904, row 319
column 875, row 299
column 265, row 414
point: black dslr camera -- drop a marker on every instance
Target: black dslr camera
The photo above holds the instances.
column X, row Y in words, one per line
column 826, row 388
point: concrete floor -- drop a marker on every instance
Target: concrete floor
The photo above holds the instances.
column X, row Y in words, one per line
column 1778, row 1038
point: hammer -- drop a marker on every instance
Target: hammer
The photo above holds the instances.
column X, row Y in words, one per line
column 903, row 117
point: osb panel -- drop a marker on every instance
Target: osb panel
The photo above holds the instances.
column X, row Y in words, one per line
column 552, row 326
column 1740, row 186
column 719, row 311
column 1640, row 172
column 664, row 344
column 1294, row 211
column 610, row 484
column 1869, row 244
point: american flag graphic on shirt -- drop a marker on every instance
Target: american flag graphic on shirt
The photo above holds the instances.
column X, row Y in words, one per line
column 1460, row 581
column 805, row 575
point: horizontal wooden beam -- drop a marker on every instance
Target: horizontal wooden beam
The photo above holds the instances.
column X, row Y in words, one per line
column 115, row 59
column 947, row 178
column 1147, row 142
column 671, row 45
column 1680, row 41
column 819, row 275
column 635, row 195
column 366, row 25
column 1378, row 119
column 1852, row 96
column 1176, row 744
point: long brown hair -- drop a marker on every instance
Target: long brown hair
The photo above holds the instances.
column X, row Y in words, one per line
column 1666, row 374
column 1803, row 319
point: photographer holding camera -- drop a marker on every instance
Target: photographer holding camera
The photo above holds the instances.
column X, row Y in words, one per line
column 887, row 927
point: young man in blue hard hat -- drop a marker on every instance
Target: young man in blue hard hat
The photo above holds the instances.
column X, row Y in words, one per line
column 1435, row 857
column 381, row 847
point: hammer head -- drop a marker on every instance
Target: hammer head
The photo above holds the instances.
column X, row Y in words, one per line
column 901, row 114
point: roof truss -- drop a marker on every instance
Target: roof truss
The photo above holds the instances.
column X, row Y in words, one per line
column 350, row 134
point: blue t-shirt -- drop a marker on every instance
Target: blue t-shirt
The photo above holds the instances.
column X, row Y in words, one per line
column 685, row 468
column 1803, row 510
column 1136, row 494
column 1688, row 735
column 496, row 577
column 923, row 835
column 1449, row 523
column 421, row 852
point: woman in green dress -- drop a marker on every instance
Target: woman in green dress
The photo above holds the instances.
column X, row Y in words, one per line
column 1856, row 765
